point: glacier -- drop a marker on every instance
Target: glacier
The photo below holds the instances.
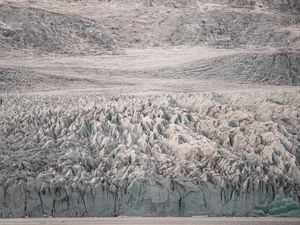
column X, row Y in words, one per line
column 219, row 154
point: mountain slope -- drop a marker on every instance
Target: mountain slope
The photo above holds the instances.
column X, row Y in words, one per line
column 45, row 32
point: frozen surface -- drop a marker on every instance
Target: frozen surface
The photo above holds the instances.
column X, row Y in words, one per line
column 149, row 108
column 188, row 154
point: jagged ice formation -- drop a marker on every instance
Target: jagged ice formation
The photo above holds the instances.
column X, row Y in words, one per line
column 191, row 154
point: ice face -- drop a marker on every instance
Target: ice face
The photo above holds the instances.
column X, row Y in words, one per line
column 281, row 207
column 192, row 154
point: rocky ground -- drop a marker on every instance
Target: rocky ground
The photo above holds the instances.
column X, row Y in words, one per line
column 149, row 108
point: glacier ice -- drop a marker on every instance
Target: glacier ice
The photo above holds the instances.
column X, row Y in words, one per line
column 217, row 154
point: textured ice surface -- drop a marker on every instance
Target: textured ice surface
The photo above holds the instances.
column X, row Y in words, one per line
column 230, row 153
column 68, row 153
